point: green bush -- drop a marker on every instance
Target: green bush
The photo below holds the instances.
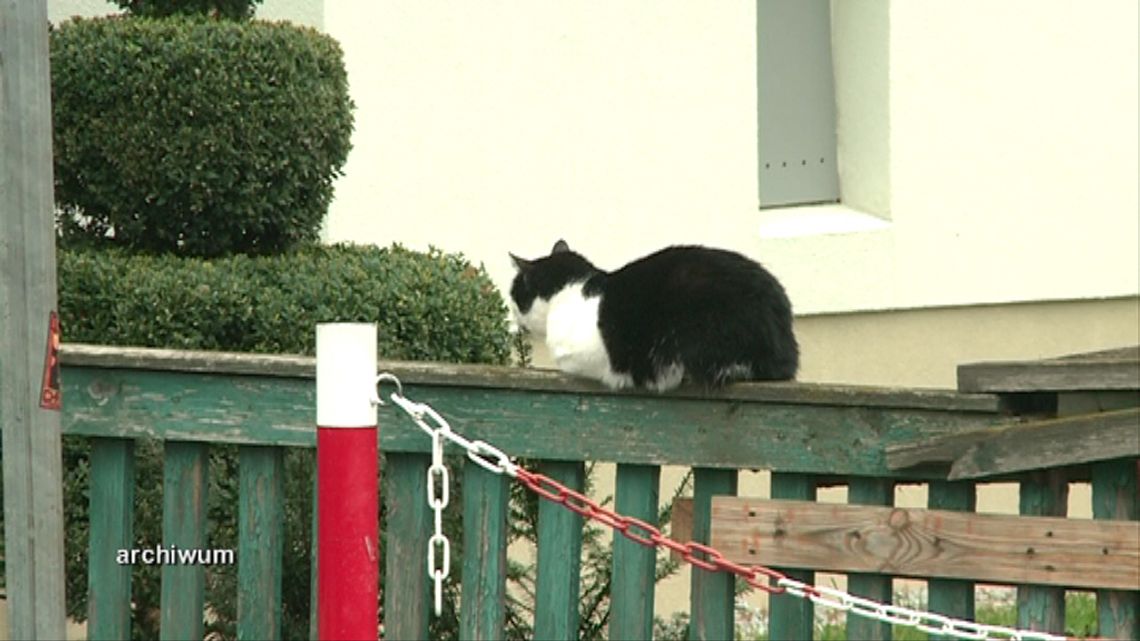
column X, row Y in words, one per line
column 232, row 9
column 196, row 136
column 431, row 306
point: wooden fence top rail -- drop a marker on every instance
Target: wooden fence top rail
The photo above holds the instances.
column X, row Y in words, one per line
column 1114, row 369
column 517, row 378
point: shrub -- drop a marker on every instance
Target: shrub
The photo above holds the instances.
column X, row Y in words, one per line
column 232, row 9
column 196, row 136
column 431, row 306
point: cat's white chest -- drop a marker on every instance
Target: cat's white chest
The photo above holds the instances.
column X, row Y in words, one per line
column 574, row 339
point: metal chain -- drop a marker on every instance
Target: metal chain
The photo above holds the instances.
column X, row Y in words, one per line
column 697, row 554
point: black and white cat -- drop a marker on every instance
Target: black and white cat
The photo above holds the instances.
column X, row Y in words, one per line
column 695, row 314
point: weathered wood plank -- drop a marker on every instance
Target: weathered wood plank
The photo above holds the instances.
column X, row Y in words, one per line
column 261, row 537
column 515, row 378
column 928, row 543
column 33, row 488
column 184, row 488
column 790, row 617
column 869, row 491
column 634, row 565
column 558, row 579
column 1109, row 370
column 1115, row 497
column 653, row 430
column 407, row 589
column 485, row 497
column 1056, row 442
column 711, row 594
column 112, row 529
column 1040, row 607
column 952, row 597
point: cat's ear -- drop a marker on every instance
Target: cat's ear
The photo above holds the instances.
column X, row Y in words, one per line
column 560, row 247
column 521, row 264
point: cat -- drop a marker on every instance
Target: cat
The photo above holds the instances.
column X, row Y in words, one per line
column 683, row 314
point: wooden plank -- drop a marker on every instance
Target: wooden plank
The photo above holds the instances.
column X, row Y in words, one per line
column 1040, row 607
column 869, row 491
column 681, row 521
column 921, row 543
column 646, row 430
column 515, row 378
column 951, row 597
column 558, row 579
column 261, row 535
column 184, row 488
column 790, row 617
column 711, row 594
column 1115, row 497
column 485, row 497
column 634, row 565
column 1110, row 370
column 407, row 589
column 112, row 506
column 1041, row 444
column 33, row 488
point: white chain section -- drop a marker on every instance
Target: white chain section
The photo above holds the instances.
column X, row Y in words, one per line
column 495, row 460
column 481, row 453
column 897, row 615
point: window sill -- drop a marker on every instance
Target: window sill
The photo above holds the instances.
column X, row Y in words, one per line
column 816, row 220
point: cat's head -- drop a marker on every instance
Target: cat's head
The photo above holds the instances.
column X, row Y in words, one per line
column 537, row 281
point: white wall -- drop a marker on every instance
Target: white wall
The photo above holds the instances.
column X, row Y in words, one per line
column 987, row 150
column 1013, row 162
column 994, row 144
column 502, row 126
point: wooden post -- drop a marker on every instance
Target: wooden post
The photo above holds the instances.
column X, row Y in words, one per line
column 33, row 488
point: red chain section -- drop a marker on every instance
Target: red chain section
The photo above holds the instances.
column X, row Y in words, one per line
column 638, row 531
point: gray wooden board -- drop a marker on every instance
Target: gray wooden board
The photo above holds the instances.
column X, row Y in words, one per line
column 1117, row 369
column 1038, row 444
column 33, row 490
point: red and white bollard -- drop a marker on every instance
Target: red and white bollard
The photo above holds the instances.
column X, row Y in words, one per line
column 347, row 510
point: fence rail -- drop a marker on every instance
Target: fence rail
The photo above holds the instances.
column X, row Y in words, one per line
column 806, row 434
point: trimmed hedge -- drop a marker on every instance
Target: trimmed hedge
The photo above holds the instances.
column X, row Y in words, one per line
column 196, row 136
column 431, row 306
column 231, row 9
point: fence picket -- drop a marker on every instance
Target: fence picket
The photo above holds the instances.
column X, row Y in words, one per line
column 1039, row 607
column 485, row 497
column 407, row 589
column 869, row 491
column 789, row 617
column 635, row 566
column 951, row 597
column 184, row 487
column 1114, row 488
column 261, row 537
column 712, row 595
column 559, row 558
column 112, row 520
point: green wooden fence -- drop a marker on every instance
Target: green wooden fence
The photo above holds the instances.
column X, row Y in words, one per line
column 807, row 434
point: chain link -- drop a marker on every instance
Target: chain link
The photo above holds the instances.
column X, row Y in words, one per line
column 928, row 622
column 698, row 554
